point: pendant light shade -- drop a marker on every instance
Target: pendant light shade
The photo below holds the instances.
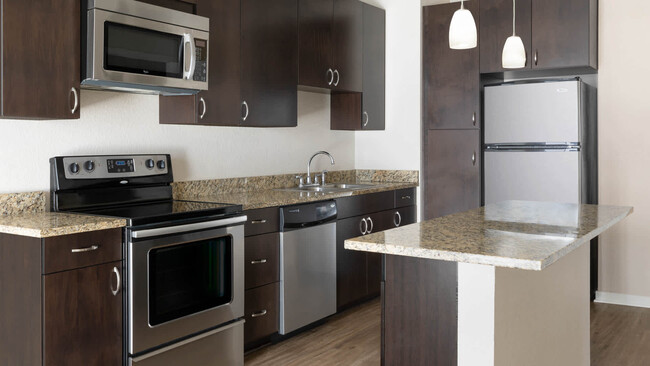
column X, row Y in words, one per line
column 514, row 53
column 462, row 31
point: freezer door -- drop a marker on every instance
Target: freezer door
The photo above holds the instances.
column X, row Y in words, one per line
column 532, row 176
column 533, row 112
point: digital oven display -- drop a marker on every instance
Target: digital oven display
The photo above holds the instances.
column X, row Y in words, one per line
column 120, row 165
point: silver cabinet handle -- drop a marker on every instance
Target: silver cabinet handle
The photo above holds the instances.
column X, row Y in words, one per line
column 535, row 58
column 205, row 108
column 372, row 225
column 263, row 221
column 258, row 314
column 406, row 197
column 364, row 230
column 331, row 73
column 258, row 261
column 87, row 249
column 474, row 118
column 397, row 220
column 245, row 105
column 366, row 118
column 338, row 77
column 75, row 106
column 474, row 158
column 119, row 282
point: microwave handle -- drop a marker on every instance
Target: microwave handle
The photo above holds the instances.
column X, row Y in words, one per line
column 187, row 38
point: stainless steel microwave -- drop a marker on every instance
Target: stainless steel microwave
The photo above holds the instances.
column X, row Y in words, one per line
column 136, row 47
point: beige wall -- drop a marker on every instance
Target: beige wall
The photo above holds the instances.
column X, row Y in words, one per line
column 624, row 140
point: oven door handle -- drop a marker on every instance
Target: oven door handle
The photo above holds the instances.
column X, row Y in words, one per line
column 148, row 233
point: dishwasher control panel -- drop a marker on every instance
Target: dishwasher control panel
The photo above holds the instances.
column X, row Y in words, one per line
column 306, row 215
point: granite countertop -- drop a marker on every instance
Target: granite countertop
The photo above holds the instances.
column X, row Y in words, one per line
column 255, row 199
column 49, row 224
column 513, row 234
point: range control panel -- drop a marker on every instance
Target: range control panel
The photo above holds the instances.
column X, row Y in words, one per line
column 118, row 166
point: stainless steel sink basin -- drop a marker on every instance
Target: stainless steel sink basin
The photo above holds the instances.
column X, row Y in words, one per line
column 331, row 188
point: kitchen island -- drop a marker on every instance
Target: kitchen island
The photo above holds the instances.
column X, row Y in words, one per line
column 505, row 284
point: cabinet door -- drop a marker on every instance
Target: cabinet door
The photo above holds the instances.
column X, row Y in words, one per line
column 269, row 61
column 315, row 42
column 347, row 36
column 374, row 69
column 261, row 312
column 82, row 318
column 452, row 172
column 564, row 33
column 262, row 256
column 451, row 77
column 40, row 59
column 351, row 275
column 496, row 27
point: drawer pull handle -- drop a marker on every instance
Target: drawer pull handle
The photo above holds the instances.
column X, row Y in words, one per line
column 258, row 261
column 258, row 221
column 119, row 282
column 87, row 249
column 397, row 220
column 406, row 197
column 258, row 314
column 372, row 226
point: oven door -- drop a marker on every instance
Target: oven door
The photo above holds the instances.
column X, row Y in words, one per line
column 183, row 280
column 125, row 52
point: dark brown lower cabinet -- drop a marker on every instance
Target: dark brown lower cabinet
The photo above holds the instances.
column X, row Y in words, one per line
column 82, row 319
column 261, row 313
column 358, row 274
column 452, row 172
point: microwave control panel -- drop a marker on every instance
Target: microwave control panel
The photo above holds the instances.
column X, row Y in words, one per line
column 201, row 70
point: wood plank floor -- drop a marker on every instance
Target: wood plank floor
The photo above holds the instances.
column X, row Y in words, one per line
column 620, row 336
column 352, row 338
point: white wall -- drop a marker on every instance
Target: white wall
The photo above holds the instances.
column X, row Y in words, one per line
column 624, row 135
column 398, row 147
column 128, row 123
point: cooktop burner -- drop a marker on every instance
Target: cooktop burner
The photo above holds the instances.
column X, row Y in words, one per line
column 143, row 214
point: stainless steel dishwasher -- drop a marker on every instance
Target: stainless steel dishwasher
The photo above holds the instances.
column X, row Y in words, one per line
column 307, row 264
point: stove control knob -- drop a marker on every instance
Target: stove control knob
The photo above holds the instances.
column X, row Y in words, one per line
column 150, row 164
column 89, row 166
column 161, row 164
column 74, row 168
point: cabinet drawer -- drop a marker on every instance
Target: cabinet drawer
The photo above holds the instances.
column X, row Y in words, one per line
column 261, row 312
column 262, row 221
column 405, row 197
column 81, row 250
column 364, row 204
column 262, row 255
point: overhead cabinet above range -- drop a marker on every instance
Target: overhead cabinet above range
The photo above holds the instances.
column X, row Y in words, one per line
column 557, row 34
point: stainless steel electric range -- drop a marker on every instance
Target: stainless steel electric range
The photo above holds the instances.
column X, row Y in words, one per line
column 184, row 264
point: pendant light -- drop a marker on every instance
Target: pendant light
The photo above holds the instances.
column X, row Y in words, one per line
column 462, row 30
column 514, row 53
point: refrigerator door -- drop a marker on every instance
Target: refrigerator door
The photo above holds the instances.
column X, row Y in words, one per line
column 532, row 176
column 533, row 112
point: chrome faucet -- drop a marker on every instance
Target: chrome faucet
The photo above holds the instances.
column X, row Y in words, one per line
column 315, row 182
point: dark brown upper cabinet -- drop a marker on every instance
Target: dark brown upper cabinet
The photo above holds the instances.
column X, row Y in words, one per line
column 557, row 34
column 373, row 116
column 496, row 27
column 40, row 59
column 330, row 44
column 253, row 55
column 451, row 77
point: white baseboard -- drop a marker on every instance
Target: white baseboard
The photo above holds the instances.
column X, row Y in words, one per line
column 622, row 299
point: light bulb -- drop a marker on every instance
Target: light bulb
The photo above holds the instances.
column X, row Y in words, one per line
column 514, row 53
column 462, row 31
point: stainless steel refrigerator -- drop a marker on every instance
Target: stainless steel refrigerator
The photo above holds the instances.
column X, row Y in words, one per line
column 540, row 142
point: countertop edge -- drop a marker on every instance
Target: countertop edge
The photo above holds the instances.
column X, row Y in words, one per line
column 63, row 230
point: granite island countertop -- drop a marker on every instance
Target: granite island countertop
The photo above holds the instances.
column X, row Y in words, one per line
column 513, row 234
column 255, row 199
column 49, row 224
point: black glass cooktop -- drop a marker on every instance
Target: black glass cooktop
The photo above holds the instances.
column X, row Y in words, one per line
column 158, row 212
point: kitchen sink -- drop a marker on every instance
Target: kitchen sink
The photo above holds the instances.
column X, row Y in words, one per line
column 331, row 188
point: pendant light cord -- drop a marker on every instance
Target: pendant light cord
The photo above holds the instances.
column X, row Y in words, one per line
column 514, row 14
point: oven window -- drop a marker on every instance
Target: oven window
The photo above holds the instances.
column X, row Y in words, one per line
column 189, row 278
column 142, row 51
